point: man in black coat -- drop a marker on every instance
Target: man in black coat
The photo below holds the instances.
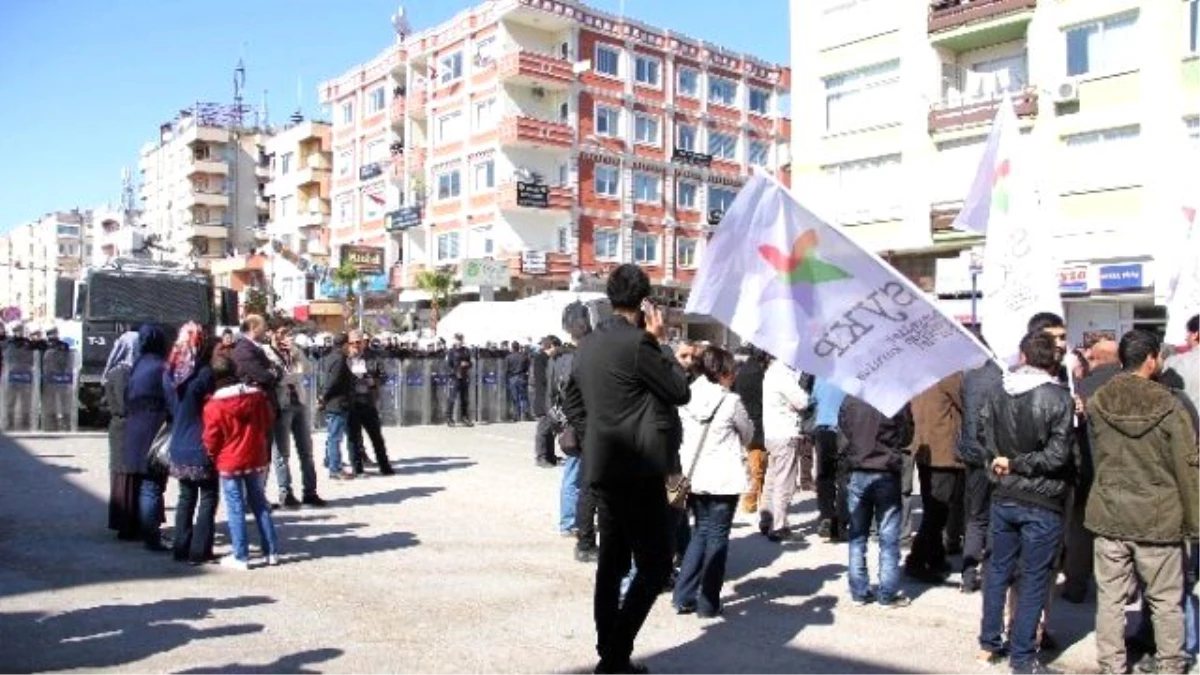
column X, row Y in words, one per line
column 335, row 400
column 620, row 400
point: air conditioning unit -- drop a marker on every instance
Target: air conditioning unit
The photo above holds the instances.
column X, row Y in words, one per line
column 1067, row 91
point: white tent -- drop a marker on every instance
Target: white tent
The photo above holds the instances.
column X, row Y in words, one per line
column 529, row 318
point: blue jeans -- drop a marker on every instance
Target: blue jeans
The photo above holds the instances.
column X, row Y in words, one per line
column 151, row 508
column 518, row 395
column 568, row 494
column 1191, row 623
column 250, row 489
column 292, row 423
column 874, row 495
column 335, row 425
column 703, row 571
column 1025, row 541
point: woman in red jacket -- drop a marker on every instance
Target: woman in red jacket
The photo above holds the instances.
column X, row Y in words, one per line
column 236, row 420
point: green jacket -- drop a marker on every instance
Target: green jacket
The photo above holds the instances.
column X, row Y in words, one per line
column 1147, row 485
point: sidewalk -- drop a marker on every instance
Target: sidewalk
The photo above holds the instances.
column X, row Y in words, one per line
column 452, row 565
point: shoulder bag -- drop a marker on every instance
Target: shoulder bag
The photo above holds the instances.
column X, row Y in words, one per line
column 680, row 486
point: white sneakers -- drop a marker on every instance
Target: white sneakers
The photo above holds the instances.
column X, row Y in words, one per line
column 233, row 563
column 273, row 560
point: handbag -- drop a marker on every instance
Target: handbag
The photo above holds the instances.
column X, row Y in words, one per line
column 158, row 457
column 680, row 486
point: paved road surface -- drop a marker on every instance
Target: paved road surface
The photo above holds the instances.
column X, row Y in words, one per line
column 452, row 565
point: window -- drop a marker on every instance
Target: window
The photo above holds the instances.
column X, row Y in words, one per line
column 722, row 90
column 447, row 246
column 345, row 210
column 376, row 101
column 862, row 98
column 685, row 252
column 760, row 100
column 1103, row 47
column 689, row 82
column 865, row 190
column 285, row 163
column 450, row 67
column 345, row 162
column 607, row 244
column 685, row 194
column 647, row 70
column 485, row 176
column 485, row 115
column 376, row 151
column 607, row 180
column 719, row 197
column 449, row 127
column 373, row 201
column 484, row 51
column 608, row 121
column 286, row 206
column 449, row 184
column 1193, row 20
column 564, row 239
column 1102, row 158
column 647, row 188
column 608, row 60
column 759, row 153
column 645, row 129
column 722, row 146
column 348, row 112
column 685, row 137
column 645, row 248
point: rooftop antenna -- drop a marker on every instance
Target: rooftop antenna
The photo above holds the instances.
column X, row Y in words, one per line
column 298, row 116
column 239, row 84
column 400, row 24
column 266, row 116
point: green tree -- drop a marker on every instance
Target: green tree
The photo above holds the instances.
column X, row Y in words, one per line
column 440, row 284
column 348, row 277
column 257, row 302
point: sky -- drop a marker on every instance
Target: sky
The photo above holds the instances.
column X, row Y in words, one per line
column 85, row 83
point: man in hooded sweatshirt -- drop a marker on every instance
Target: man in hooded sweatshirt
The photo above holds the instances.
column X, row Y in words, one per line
column 1027, row 435
column 1145, row 454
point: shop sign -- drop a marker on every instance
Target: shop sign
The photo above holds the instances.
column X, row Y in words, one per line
column 366, row 259
column 1073, row 279
column 1121, row 277
column 485, row 273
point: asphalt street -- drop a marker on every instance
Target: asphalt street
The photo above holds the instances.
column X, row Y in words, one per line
column 452, row 565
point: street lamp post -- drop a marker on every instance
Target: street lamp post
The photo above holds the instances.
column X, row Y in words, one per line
column 976, row 267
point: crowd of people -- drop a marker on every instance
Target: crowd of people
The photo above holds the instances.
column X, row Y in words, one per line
column 1084, row 464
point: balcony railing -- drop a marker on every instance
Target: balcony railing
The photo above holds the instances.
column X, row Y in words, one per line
column 961, row 113
column 522, row 128
column 948, row 14
column 536, row 196
column 544, row 67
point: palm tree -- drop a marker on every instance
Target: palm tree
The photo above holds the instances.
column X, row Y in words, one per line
column 347, row 276
column 439, row 284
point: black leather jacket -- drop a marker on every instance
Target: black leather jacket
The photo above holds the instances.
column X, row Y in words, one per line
column 1033, row 429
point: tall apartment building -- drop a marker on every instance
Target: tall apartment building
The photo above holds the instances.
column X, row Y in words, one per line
column 299, row 194
column 36, row 254
column 551, row 135
column 202, row 184
column 894, row 100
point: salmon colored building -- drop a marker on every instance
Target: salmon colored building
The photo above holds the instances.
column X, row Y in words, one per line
column 551, row 135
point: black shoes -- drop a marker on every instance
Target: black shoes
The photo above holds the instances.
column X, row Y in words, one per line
column 587, row 554
column 314, row 500
column 290, row 502
column 970, row 580
column 627, row 667
column 545, row 463
column 386, row 470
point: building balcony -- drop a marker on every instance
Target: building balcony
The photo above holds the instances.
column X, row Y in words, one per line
column 397, row 110
column 536, row 69
column 519, row 129
column 530, row 197
column 203, row 198
column 208, row 166
column 315, row 171
column 210, row 229
column 201, row 134
column 954, row 115
column 415, row 103
column 962, row 25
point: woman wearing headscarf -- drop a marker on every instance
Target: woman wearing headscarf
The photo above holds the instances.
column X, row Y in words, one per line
column 146, row 411
column 123, row 483
column 187, row 382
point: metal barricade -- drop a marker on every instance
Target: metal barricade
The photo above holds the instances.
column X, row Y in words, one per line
column 491, row 398
column 19, row 380
column 415, row 397
column 308, row 389
column 316, row 380
column 390, row 392
column 58, row 410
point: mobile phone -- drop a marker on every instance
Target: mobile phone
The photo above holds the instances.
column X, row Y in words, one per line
column 646, row 307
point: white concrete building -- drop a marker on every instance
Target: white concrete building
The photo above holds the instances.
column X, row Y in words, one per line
column 893, row 100
column 202, row 184
column 35, row 255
